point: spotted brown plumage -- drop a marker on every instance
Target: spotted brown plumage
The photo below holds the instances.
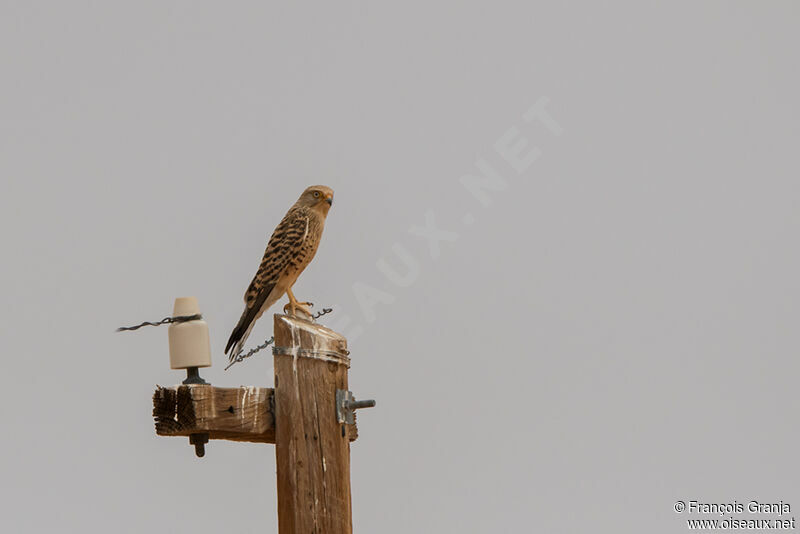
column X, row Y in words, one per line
column 290, row 249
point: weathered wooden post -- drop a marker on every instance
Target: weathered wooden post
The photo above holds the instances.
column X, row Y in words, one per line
column 311, row 446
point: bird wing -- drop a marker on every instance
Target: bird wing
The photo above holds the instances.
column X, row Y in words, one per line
column 284, row 245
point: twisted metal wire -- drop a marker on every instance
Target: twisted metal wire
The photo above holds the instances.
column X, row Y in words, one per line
column 166, row 320
column 325, row 311
column 240, row 357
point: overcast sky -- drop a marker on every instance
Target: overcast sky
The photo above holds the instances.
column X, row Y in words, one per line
column 563, row 248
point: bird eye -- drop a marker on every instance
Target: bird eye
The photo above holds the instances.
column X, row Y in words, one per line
column 316, row 194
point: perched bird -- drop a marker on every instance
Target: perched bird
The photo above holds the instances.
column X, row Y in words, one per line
column 290, row 249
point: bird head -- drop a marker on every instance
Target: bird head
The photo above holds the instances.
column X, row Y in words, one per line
column 318, row 197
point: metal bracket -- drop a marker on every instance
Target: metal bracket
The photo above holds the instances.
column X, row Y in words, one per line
column 346, row 405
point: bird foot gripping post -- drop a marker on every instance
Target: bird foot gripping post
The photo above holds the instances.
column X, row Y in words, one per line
column 308, row 415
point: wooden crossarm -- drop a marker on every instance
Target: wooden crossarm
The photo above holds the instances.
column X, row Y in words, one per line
column 236, row 414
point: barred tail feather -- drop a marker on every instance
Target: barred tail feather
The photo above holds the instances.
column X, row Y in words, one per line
column 251, row 314
column 239, row 336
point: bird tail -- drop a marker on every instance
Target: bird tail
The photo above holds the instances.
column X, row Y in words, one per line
column 239, row 335
column 252, row 312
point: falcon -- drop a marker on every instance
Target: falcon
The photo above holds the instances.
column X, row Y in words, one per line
column 290, row 249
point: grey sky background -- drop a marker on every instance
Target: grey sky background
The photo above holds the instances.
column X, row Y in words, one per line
column 615, row 331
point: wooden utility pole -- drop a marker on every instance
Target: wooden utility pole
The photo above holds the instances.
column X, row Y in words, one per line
column 309, row 416
column 311, row 446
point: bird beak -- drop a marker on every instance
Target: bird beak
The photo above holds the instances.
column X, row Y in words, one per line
column 329, row 200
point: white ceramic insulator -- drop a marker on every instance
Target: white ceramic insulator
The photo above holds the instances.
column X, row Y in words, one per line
column 189, row 343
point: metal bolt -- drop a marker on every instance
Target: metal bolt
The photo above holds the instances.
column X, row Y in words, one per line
column 355, row 405
column 199, row 441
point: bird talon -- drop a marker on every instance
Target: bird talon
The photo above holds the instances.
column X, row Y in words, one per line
column 292, row 306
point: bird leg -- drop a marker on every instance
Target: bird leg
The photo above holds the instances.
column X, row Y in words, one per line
column 294, row 305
